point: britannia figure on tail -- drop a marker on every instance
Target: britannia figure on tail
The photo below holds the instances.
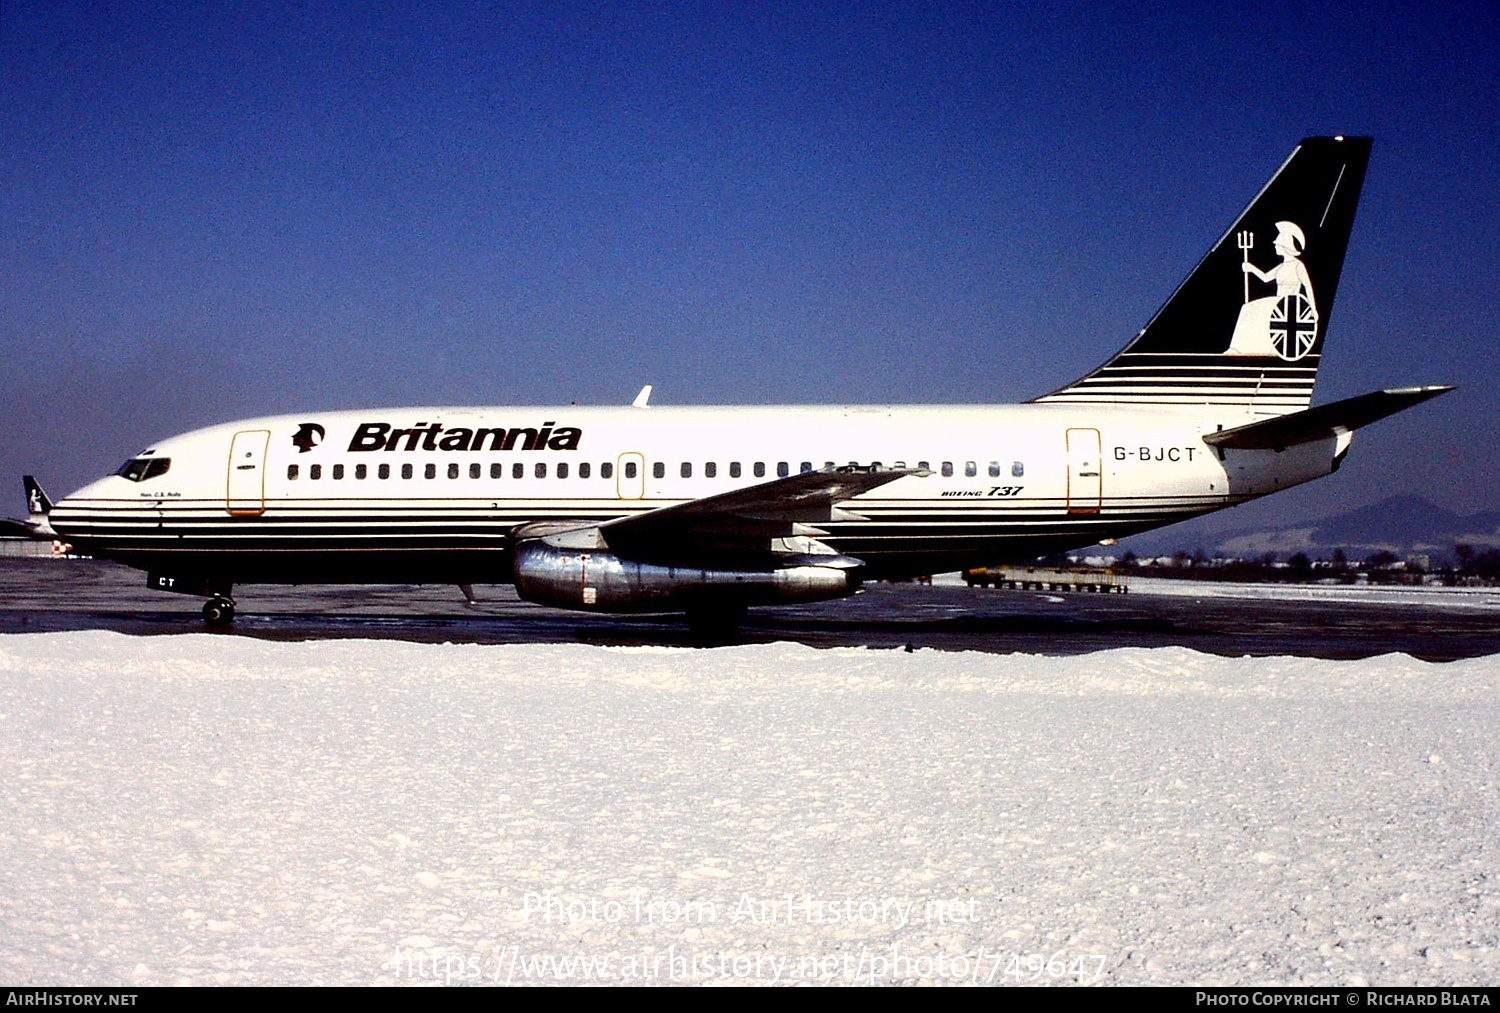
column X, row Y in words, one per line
column 1284, row 324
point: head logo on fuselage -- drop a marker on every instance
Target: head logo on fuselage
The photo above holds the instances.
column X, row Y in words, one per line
column 308, row 436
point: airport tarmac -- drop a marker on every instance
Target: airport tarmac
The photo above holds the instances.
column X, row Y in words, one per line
column 38, row 595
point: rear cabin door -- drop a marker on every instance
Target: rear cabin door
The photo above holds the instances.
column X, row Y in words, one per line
column 245, row 495
column 1085, row 490
column 630, row 476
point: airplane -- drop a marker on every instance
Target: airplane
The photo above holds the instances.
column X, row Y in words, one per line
column 710, row 510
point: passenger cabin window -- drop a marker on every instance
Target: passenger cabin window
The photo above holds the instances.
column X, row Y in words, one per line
column 541, row 469
column 1018, row 469
column 453, row 470
column 710, row 469
column 607, row 470
column 923, row 465
column 291, row 472
column 475, row 470
column 429, row 471
column 142, row 469
column 760, row 469
column 406, row 471
column 994, row 469
column 496, row 470
column 360, row 470
column 518, row 470
column 806, row 466
column 583, row 470
column 734, row 469
column 658, row 470
column 315, row 471
column 686, row 469
column 970, row 469
column 782, row 469
column 947, row 469
column 562, row 470
column 384, row 471
column 630, row 469
column 338, row 472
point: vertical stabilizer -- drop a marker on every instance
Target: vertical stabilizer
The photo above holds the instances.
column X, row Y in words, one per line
column 38, row 506
column 38, row 503
column 1247, row 326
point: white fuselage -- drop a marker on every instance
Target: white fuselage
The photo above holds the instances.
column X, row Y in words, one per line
column 360, row 496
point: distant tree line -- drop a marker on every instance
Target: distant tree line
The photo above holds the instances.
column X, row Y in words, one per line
column 1464, row 566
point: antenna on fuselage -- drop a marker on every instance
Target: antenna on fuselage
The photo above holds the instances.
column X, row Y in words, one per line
column 643, row 399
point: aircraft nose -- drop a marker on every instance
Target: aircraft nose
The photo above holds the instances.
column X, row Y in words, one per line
column 94, row 490
column 71, row 516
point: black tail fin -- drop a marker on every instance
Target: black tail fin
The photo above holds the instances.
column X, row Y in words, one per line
column 1247, row 326
column 38, row 504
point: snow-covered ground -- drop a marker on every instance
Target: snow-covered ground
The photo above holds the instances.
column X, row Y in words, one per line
column 1444, row 597
column 221, row 809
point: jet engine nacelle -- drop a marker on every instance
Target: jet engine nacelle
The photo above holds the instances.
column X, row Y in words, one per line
column 597, row 580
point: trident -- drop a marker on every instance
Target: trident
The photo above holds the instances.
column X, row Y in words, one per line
column 1246, row 241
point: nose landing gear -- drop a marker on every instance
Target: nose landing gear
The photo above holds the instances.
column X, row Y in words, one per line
column 218, row 611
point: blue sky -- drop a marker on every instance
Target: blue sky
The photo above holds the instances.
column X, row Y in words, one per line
column 229, row 210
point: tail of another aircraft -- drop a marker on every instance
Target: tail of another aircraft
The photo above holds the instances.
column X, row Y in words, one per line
column 38, row 506
column 1247, row 326
column 38, row 503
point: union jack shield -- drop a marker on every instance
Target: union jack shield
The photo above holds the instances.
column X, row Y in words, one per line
column 1294, row 327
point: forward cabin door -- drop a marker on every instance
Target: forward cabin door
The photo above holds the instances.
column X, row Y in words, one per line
column 630, row 476
column 1085, row 489
column 245, row 495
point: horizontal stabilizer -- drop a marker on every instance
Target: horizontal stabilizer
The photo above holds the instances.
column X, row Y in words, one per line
column 1323, row 422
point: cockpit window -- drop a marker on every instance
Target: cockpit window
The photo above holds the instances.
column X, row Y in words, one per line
column 141, row 469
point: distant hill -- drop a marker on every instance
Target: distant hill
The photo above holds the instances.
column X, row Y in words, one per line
column 1404, row 525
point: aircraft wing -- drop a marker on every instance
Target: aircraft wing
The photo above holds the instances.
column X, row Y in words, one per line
column 744, row 521
column 15, row 529
column 1322, row 422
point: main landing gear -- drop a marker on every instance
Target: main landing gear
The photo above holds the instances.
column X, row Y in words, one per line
column 218, row 611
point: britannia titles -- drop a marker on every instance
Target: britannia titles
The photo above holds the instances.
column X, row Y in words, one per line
column 423, row 436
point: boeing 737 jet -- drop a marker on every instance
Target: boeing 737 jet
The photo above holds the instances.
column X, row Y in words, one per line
column 710, row 510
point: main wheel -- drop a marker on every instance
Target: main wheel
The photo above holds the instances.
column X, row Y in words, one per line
column 218, row 612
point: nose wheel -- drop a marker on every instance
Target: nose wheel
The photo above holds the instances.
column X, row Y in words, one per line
column 218, row 611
